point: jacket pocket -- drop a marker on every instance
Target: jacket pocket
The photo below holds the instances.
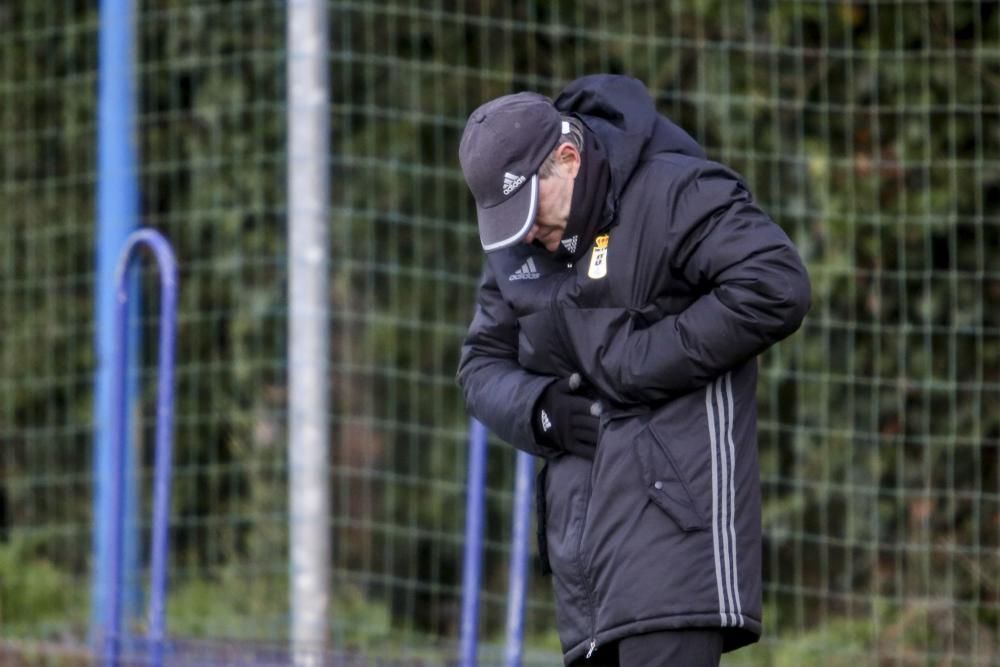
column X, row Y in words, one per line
column 665, row 485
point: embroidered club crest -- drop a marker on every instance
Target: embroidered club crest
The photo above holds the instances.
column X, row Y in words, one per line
column 599, row 258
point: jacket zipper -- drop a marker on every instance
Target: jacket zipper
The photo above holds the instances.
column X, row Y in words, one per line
column 583, row 569
column 585, row 574
column 591, row 611
column 554, row 302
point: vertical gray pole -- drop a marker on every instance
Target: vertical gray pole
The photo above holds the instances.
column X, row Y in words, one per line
column 472, row 572
column 308, row 107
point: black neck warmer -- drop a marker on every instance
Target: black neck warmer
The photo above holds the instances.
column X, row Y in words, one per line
column 588, row 206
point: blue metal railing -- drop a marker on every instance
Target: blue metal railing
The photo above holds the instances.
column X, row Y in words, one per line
column 520, row 542
column 112, row 633
column 519, row 549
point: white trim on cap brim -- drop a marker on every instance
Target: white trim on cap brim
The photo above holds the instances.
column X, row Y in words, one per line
column 510, row 240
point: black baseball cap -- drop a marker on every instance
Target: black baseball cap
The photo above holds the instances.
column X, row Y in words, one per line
column 504, row 143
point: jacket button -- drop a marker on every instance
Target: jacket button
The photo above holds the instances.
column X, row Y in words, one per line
column 657, row 485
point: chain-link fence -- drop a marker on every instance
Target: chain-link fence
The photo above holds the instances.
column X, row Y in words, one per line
column 869, row 130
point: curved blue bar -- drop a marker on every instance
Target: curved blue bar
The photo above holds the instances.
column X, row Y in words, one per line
column 519, row 549
column 164, row 429
column 473, row 545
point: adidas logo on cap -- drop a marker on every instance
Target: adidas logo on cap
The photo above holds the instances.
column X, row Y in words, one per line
column 512, row 182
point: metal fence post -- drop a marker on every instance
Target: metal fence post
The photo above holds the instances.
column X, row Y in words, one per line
column 473, row 544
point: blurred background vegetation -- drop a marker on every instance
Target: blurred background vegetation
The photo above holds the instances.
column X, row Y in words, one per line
column 869, row 130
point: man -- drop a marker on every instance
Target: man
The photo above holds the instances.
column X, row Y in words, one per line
column 629, row 285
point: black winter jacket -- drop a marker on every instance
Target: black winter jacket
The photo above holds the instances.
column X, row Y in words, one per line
column 685, row 284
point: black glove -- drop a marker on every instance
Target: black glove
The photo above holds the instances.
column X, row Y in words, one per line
column 566, row 419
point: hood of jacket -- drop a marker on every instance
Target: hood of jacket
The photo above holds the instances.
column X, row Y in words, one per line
column 620, row 112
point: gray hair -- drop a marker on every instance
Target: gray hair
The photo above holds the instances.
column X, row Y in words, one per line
column 573, row 136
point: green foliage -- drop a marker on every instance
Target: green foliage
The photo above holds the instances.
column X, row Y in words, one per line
column 36, row 596
column 837, row 643
column 230, row 605
column 907, row 635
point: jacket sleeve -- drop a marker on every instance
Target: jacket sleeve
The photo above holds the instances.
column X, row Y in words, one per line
column 498, row 391
column 754, row 292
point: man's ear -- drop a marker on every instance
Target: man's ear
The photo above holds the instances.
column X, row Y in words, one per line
column 569, row 158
